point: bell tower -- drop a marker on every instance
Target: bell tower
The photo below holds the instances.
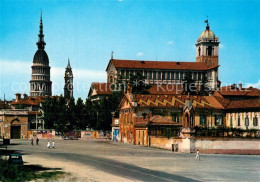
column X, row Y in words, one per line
column 207, row 47
column 68, row 86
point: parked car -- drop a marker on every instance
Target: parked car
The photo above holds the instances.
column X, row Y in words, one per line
column 16, row 159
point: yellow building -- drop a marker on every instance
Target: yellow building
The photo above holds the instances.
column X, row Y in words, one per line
column 14, row 123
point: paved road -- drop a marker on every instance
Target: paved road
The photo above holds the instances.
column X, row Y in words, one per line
column 147, row 164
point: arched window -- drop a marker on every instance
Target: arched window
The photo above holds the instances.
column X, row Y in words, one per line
column 209, row 50
column 111, row 79
column 199, row 51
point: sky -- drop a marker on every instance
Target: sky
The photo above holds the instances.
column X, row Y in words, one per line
column 87, row 31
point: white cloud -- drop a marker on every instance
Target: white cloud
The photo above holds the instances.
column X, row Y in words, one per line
column 139, row 54
column 255, row 85
column 170, row 42
column 221, row 46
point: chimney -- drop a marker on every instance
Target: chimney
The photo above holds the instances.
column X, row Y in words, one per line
column 25, row 96
column 17, row 97
column 240, row 86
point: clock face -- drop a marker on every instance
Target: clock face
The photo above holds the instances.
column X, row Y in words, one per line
column 68, row 73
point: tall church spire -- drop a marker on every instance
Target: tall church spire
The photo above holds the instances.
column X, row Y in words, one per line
column 68, row 66
column 41, row 44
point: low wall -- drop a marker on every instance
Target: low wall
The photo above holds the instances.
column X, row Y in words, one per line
column 161, row 142
column 210, row 146
column 231, row 146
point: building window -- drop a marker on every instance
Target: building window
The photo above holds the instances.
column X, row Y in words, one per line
column 255, row 121
column 238, row 121
column 154, row 75
column 203, row 118
column 231, row 121
column 209, row 50
column 181, row 76
column 159, row 75
column 247, row 121
column 145, row 74
column 172, row 75
column 127, row 74
column 177, row 76
column 175, row 118
column 218, row 120
column 195, row 76
column 150, row 75
column 168, row 75
column 199, row 51
column 163, row 75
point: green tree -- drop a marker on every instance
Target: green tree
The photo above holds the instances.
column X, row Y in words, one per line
column 71, row 115
column 79, row 115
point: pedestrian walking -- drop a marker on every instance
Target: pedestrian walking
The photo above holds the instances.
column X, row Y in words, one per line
column 32, row 140
column 48, row 145
column 37, row 141
column 53, row 144
column 197, row 155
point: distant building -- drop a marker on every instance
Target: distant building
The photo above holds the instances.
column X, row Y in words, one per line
column 99, row 91
column 40, row 84
column 68, row 85
column 13, row 123
column 168, row 72
column 33, row 105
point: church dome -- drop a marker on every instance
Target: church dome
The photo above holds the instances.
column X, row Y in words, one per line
column 207, row 34
column 41, row 57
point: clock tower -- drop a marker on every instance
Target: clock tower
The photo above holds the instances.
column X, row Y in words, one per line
column 68, row 85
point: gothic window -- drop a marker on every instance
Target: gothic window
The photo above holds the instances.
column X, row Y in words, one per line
column 111, row 79
column 203, row 118
column 199, row 51
column 175, row 118
column 218, row 120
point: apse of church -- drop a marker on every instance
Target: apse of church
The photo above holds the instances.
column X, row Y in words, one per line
column 40, row 83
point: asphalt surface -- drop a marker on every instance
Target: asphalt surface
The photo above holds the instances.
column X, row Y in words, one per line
column 140, row 163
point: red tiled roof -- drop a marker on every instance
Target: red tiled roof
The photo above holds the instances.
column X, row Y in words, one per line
column 33, row 101
column 101, row 88
column 230, row 91
column 167, row 65
column 169, row 101
column 244, row 104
